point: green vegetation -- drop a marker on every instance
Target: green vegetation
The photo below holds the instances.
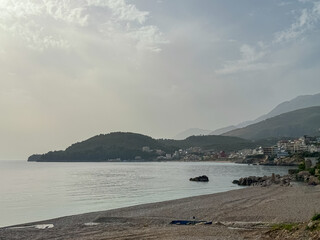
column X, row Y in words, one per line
column 309, row 154
column 210, row 142
column 306, row 166
column 128, row 146
column 312, row 171
column 314, row 224
column 285, row 226
column 302, row 166
column 292, row 124
column 315, row 217
column 104, row 147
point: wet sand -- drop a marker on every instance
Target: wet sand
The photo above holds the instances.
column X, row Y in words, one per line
column 239, row 214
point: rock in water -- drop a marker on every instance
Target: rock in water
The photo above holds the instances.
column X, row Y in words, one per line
column 235, row 181
column 203, row 178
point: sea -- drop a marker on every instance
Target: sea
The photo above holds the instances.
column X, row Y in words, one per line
column 31, row 191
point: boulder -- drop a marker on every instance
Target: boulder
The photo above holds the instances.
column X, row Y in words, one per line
column 264, row 181
column 308, row 163
column 313, row 180
column 293, row 171
column 235, row 181
column 303, row 176
column 202, row 178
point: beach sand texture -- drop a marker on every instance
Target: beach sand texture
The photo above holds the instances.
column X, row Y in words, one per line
column 237, row 214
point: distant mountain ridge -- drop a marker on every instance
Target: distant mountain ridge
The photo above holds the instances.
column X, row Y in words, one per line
column 191, row 132
column 221, row 131
column 300, row 102
column 303, row 101
column 296, row 123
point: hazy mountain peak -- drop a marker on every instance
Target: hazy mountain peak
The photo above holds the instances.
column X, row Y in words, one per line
column 299, row 102
column 220, row 131
column 305, row 121
column 191, row 132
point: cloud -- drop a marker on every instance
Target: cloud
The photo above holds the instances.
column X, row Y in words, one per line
column 122, row 10
column 250, row 60
column 148, row 37
column 45, row 24
column 306, row 21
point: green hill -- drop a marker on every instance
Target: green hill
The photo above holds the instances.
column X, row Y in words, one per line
column 211, row 142
column 127, row 146
column 297, row 123
column 105, row 147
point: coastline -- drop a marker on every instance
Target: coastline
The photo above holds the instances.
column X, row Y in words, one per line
column 247, row 206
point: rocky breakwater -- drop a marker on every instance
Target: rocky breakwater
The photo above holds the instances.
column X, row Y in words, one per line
column 307, row 177
column 265, row 180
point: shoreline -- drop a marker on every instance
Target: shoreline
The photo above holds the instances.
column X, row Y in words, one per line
column 116, row 209
column 235, row 161
column 263, row 205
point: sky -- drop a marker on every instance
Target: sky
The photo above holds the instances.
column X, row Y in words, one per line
column 72, row 69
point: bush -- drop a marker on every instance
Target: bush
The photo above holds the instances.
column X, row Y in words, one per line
column 293, row 171
column 285, row 226
column 302, row 166
column 316, row 217
column 312, row 171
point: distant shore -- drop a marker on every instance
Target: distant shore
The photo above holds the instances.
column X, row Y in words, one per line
column 147, row 161
column 238, row 214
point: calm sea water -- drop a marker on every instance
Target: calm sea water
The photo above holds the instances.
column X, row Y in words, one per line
column 38, row 191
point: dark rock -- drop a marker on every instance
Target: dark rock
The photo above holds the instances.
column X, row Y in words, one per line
column 235, row 181
column 263, row 181
column 293, row 171
column 303, row 176
column 313, row 180
column 203, row 178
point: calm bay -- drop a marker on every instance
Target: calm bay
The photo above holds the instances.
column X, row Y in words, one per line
column 31, row 191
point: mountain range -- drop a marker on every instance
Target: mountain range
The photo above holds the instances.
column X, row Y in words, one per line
column 292, row 124
column 300, row 102
column 192, row 132
column 304, row 101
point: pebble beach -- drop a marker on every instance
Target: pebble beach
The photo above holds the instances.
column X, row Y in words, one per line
column 248, row 213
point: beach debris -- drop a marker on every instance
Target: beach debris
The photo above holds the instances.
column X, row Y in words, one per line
column 202, row 178
column 43, row 226
column 188, row 222
column 244, row 225
column 38, row 226
column 91, row 224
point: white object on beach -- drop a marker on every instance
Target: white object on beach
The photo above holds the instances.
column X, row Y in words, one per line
column 43, row 226
column 38, row 226
column 91, row 224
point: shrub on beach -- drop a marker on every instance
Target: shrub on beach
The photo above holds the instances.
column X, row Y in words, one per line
column 285, row 226
column 316, row 217
column 302, row 166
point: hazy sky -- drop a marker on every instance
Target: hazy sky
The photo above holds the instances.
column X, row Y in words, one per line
column 71, row 69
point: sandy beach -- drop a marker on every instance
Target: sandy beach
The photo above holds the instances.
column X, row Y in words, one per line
column 247, row 213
